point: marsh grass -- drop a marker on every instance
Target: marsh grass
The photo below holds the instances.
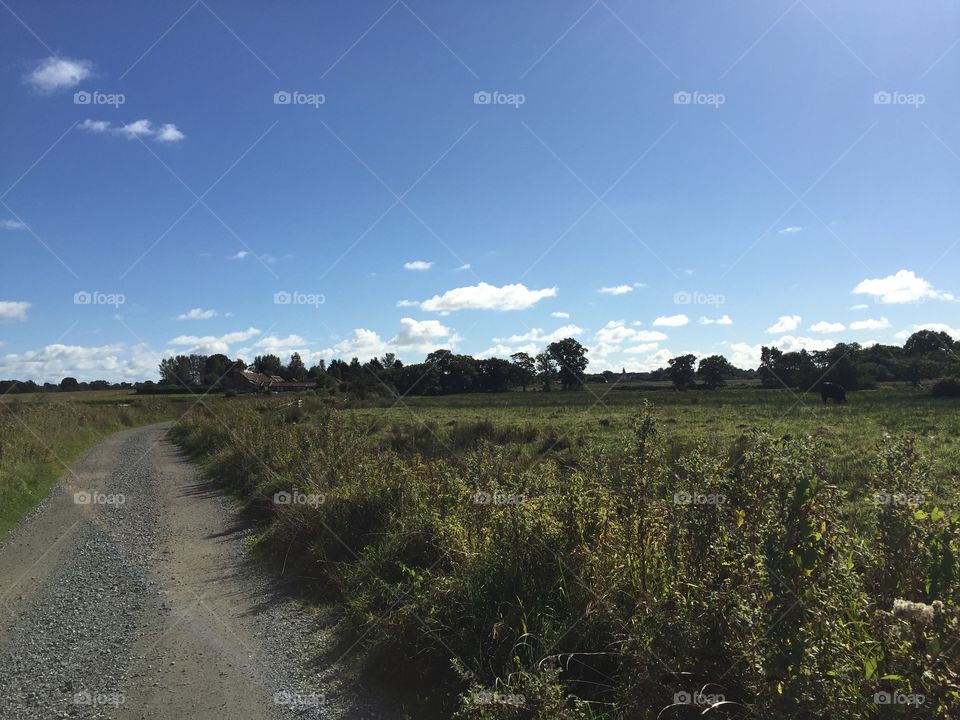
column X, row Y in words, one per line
column 40, row 437
column 476, row 561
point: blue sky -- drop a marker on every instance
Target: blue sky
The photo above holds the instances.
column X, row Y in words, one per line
column 650, row 178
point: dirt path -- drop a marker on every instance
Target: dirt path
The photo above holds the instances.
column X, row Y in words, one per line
column 144, row 603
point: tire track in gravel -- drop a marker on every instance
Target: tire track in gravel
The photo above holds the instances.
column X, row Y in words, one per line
column 143, row 603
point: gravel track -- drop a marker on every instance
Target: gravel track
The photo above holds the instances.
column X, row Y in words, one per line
column 144, row 603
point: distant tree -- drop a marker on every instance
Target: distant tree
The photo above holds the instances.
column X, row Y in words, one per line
column 681, row 371
column 713, row 371
column 771, row 367
column 797, row 369
column 570, row 358
column 839, row 364
column 546, row 370
column 458, row 373
column 389, row 361
column 923, row 342
column 217, row 367
column 524, row 369
column 69, row 384
column 268, row 364
column 295, row 369
column 494, row 374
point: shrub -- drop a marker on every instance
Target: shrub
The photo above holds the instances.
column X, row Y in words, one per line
column 946, row 387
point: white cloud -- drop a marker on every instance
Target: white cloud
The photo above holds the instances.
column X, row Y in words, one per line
column 671, row 321
column 465, row 266
column 902, row 287
column 487, row 297
column 282, row 347
column 611, row 337
column 744, row 355
column 653, row 361
column 533, row 341
column 785, row 323
column 418, row 265
column 53, row 73
column 167, row 133
column 137, row 128
column 935, row 327
column 505, row 351
column 616, row 290
column 407, row 303
column 859, row 306
column 13, row 310
column 789, row 230
column 107, row 362
column 197, row 314
column 211, row 344
column 414, row 333
column 747, row 356
column 722, row 320
column 12, row 225
column 790, row 343
column 641, row 348
column 239, row 256
column 414, row 336
column 560, row 314
column 537, row 335
column 827, row 327
column 870, row 324
column 98, row 126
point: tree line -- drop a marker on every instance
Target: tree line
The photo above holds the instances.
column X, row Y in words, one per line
column 926, row 356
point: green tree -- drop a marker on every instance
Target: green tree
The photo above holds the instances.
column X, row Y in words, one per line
column 770, row 367
column 570, row 358
column 296, row 370
column 69, row 384
column 524, row 369
column 681, row 371
column 713, row 371
column 268, row 364
column 217, row 367
column 546, row 370
column 923, row 342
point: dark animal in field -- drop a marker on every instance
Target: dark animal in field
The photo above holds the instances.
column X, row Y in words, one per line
column 832, row 391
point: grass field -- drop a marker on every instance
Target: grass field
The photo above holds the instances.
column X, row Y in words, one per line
column 611, row 554
column 559, row 425
column 42, row 434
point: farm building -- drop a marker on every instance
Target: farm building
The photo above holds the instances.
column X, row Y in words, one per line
column 249, row 381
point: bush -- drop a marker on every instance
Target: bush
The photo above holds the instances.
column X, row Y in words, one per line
column 494, row 589
column 946, row 387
